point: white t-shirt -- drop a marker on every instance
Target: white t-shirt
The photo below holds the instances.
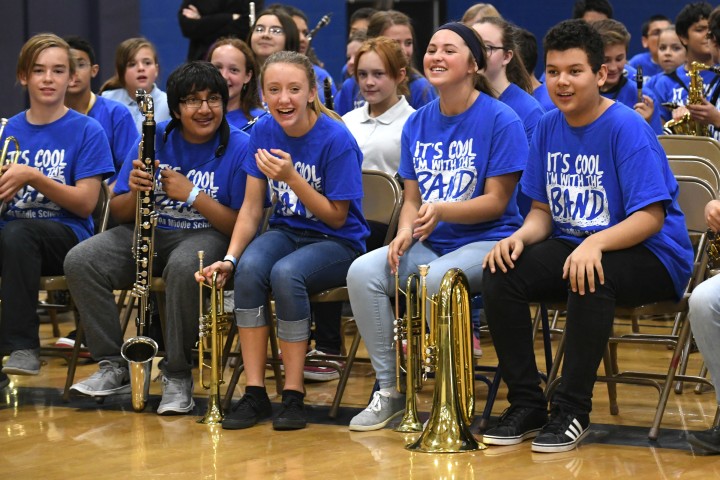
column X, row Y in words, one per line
column 379, row 137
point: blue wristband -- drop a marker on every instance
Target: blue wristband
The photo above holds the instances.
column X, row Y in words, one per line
column 193, row 195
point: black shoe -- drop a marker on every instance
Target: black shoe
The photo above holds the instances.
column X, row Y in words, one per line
column 292, row 416
column 708, row 440
column 248, row 411
column 563, row 432
column 516, row 424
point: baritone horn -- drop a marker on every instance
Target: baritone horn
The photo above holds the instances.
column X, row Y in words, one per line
column 439, row 341
column 214, row 326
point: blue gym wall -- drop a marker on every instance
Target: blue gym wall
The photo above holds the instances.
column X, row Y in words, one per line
column 107, row 22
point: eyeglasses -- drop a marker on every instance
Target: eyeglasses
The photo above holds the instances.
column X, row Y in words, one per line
column 213, row 101
column 277, row 31
column 82, row 65
column 491, row 49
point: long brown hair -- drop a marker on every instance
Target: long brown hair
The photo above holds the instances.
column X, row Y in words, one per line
column 515, row 69
column 249, row 96
column 300, row 60
column 124, row 53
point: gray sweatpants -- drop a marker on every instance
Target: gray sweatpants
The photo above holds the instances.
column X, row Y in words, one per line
column 104, row 262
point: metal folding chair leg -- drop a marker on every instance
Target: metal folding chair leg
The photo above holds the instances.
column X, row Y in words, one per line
column 345, row 375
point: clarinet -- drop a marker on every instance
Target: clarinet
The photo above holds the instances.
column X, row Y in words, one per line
column 139, row 351
column 251, row 15
column 327, row 90
column 324, row 21
column 639, row 79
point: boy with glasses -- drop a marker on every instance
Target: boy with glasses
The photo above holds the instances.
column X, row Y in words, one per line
column 199, row 188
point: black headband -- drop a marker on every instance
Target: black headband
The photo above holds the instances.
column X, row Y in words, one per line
column 470, row 38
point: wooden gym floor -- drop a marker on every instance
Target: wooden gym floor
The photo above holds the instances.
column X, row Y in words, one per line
column 43, row 437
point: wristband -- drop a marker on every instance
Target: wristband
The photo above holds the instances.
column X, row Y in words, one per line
column 193, row 195
column 231, row 259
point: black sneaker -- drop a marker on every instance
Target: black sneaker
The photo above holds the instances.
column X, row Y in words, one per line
column 708, row 440
column 248, row 411
column 292, row 416
column 516, row 424
column 563, row 432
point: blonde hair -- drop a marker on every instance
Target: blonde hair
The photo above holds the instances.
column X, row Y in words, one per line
column 34, row 47
column 483, row 9
column 300, row 60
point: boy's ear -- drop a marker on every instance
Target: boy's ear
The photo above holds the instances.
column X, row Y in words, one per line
column 602, row 75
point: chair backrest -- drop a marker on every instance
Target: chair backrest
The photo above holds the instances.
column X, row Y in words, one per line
column 705, row 147
column 382, row 199
column 101, row 214
column 695, row 166
column 693, row 195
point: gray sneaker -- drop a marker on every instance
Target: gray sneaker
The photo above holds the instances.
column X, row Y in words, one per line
column 110, row 379
column 23, row 362
column 176, row 396
column 379, row 412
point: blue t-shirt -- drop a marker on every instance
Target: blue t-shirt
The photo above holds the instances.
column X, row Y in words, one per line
column 329, row 159
column 349, row 98
column 220, row 177
column 626, row 92
column 594, row 177
column 527, row 108
column 119, row 127
column 237, row 118
column 673, row 88
column 645, row 61
column 67, row 150
column 451, row 156
column 543, row 97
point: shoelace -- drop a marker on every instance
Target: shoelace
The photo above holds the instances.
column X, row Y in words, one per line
column 375, row 404
column 245, row 402
column 106, row 368
column 559, row 421
column 172, row 386
column 511, row 415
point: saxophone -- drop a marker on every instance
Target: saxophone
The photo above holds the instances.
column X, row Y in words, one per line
column 686, row 125
column 140, row 350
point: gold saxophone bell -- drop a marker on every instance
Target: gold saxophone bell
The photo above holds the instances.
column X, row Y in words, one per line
column 686, row 125
column 213, row 325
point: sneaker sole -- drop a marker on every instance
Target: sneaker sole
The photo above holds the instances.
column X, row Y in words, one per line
column 558, row 447
column 231, row 424
column 81, row 390
column 167, row 411
column 19, row 371
column 377, row 426
column 505, row 441
column 321, row 377
column 283, row 425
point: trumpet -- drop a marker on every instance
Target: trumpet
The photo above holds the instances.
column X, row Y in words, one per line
column 140, row 350
column 6, row 159
column 214, row 325
column 445, row 349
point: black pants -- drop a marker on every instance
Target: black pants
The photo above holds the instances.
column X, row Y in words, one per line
column 633, row 276
column 28, row 249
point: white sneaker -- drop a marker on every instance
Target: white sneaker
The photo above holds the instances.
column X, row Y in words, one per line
column 382, row 408
column 176, row 396
column 320, row 373
column 110, row 379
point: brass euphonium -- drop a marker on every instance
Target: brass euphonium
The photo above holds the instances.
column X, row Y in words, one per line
column 139, row 351
column 6, row 159
column 214, row 325
column 686, row 125
column 439, row 341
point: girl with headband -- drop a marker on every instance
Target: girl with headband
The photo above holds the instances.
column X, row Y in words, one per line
column 460, row 161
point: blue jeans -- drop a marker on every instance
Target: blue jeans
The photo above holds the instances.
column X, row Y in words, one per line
column 705, row 322
column 370, row 286
column 293, row 264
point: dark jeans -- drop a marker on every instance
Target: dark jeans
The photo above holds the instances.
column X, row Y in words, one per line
column 29, row 249
column 633, row 276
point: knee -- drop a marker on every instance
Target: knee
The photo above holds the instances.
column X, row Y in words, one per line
column 75, row 261
column 249, row 266
column 16, row 234
column 493, row 285
column 705, row 297
column 364, row 273
column 284, row 275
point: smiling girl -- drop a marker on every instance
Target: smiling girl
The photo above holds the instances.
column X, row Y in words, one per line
column 461, row 157
column 312, row 164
